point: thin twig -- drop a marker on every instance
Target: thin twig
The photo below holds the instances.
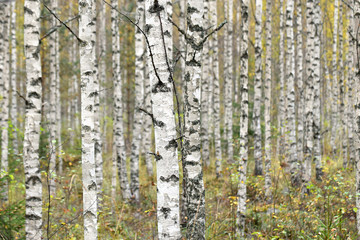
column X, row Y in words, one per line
column 63, row 23
column 54, row 29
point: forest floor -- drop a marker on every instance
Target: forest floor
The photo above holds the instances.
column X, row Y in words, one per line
column 329, row 211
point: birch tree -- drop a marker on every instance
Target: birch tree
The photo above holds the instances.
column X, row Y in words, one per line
column 119, row 160
column 281, row 107
column 5, row 98
column 228, row 84
column 194, row 184
column 257, row 91
column 205, row 93
column 334, row 114
column 244, row 118
column 99, row 78
column 356, row 29
column 300, row 81
column 53, row 127
column 13, row 67
column 33, row 186
column 139, row 78
column 163, row 118
column 267, row 113
column 216, row 90
column 308, row 138
column 317, row 85
column 87, row 33
column 290, row 119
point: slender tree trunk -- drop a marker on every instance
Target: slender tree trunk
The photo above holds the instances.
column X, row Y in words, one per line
column 281, row 107
column 148, row 127
column 98, row 114
column 257, row 91
column 87, row 33
column 119, row 160
column 351, row 84
column 139, row 78
column 334, row 113
column 228, row 84
column 33, row 186
column 317, row 85
column 267, row 113
column 205, row 93
column 244, row 118
column 14, row 105
column 300, row 82
column 308, row 138
column 356, row 25
column 216, row 91
column 5, row 98
column 53, row 135
column 193, row 174
column 163, row 118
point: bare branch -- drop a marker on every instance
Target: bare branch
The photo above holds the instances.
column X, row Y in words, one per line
column 54, row 29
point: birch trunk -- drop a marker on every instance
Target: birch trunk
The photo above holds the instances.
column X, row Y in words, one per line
column 87, row 31
column 228, row 84
column 98, row 114
column 244, row 111
column 267, row 113
column 308, row 138
column 14, row 105
column 216, row 91
column 342, row 87
column 257, row 91
column 281, row 107
column 205, row 93
column 148, row 127
column 351, row 86
column 300, row 82
column 317, row 85
column 334, row 113
column 193, row 174
column 53, row 129
column 356, row 25
column 157, row 12
column 33, row 186
column 139, row 79
column 5, row 99
column 119, row 161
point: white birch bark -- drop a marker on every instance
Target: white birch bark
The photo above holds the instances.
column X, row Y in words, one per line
column 228, row 81
column 5, row 98
column 308, row 138
column 317, row 86
column 351, row 87
column 334, row 108
column 290, row 119
column 300, row 81
column 33, row 216
column 98, row 114
column 216, row 91
column 53, row 129
column 205, row 93
column 281, row 107
column 193, row 174
column 119, row 161
column 13, row 67
column 267, row 112
column 87, row 31
column 356, row 25
column 257, row 91
column 244, row 118
column 138, row 116
column 148, row 127
column 159, row 31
